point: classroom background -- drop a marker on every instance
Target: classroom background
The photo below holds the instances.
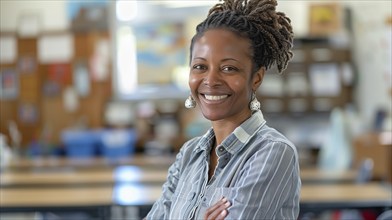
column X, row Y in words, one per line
column 92, row 105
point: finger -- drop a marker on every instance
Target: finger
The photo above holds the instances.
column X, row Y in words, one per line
column 219, row 210
column 215, row 206
column 222, row 215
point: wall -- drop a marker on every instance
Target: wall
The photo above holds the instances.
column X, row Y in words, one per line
column 372, row 41
column 52, row 14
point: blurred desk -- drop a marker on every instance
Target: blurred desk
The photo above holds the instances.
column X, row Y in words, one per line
column 101, row 199
column 378, row 147
column 315, row 175
column 96, row 200
column 72, row 178
column 315, row 197
column 20, row 164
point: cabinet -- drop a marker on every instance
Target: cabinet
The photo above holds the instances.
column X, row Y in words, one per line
column 320, row 76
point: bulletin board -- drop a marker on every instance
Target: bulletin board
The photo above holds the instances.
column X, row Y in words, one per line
column 39, row 90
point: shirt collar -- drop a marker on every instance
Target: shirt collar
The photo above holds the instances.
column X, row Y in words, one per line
column 238, row 138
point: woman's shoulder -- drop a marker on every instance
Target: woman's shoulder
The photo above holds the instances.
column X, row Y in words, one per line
column 268, row 135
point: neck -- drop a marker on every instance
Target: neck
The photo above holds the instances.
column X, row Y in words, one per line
column 223, row 128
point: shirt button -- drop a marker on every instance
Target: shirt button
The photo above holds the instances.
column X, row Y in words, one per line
column 221, row 149
column 192, row 196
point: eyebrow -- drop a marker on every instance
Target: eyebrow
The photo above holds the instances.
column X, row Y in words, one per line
column 223, row 60
column 198, row 58
column 231, row 59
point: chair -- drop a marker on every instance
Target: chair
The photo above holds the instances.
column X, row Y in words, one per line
column 79, row 143
column 115, row 143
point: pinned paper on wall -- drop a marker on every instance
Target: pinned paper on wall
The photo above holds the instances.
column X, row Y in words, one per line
column 60, row 73
column 29, row 25
column 28, row 113
column 99, row 62
column 70, row 99
column 27, row 64
column 9, row 84
column 55, row 48
column 81, row 79
column 325, row 18
column 8, row 49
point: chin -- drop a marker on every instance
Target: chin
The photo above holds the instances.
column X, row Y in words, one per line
column 212, row 116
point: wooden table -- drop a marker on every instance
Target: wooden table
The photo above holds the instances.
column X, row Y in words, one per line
column 345, row 196
column 100, row 199
column 313, row 196
column 72, row 177
column 92, row 199
column 315, row 175
column 58, row 163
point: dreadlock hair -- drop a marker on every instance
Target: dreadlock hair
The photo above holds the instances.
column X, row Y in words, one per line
column 269, row 32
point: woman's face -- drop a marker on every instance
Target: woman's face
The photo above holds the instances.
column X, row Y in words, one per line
column 220, row 75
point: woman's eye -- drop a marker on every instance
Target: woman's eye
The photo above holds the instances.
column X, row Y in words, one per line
column 229, row 69
column 198, row 67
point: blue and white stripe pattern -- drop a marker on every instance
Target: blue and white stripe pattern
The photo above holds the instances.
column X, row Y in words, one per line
column 257, row 171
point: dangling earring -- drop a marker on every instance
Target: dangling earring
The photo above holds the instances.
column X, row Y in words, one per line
column 254, row 105
column 190, row 102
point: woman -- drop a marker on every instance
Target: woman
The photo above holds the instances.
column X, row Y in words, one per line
column 241, row 168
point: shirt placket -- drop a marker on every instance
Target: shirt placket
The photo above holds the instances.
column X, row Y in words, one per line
column 203, row 188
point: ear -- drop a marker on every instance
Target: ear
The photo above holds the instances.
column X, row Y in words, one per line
column 258, row 78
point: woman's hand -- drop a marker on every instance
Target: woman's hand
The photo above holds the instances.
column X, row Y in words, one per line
column 218, row 211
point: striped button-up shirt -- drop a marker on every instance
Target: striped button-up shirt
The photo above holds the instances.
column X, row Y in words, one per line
column 257, row 171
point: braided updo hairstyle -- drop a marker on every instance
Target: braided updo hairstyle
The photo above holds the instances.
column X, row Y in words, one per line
column 269, row 32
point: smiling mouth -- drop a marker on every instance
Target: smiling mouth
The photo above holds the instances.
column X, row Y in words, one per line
column 215, row 97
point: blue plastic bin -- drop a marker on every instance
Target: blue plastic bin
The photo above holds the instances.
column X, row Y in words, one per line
column 116, row 143
column 80, row 143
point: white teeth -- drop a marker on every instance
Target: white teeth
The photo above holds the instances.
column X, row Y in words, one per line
column 215, row 97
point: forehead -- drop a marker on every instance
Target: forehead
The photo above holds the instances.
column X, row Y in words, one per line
column 222, row 41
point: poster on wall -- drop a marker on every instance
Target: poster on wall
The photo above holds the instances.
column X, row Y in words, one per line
column 27, row 64
column 8, row 49
column 100, row 61
column 9, row 84
column 325, row 18
column 81, row 79
column 58, row 77
column 56, row 48
column 28, row 113
column 60, row 73
column 88, row 15
column 160, row 50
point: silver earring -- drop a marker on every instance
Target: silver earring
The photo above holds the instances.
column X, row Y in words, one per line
column 254, row 104
column 190, row 102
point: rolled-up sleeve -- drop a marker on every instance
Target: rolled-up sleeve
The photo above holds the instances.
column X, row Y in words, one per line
column 162, row 206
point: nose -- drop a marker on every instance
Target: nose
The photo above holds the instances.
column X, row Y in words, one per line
column 212, row 78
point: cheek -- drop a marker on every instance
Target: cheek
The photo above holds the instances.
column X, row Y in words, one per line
column 239, row 86
column 193, row 82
